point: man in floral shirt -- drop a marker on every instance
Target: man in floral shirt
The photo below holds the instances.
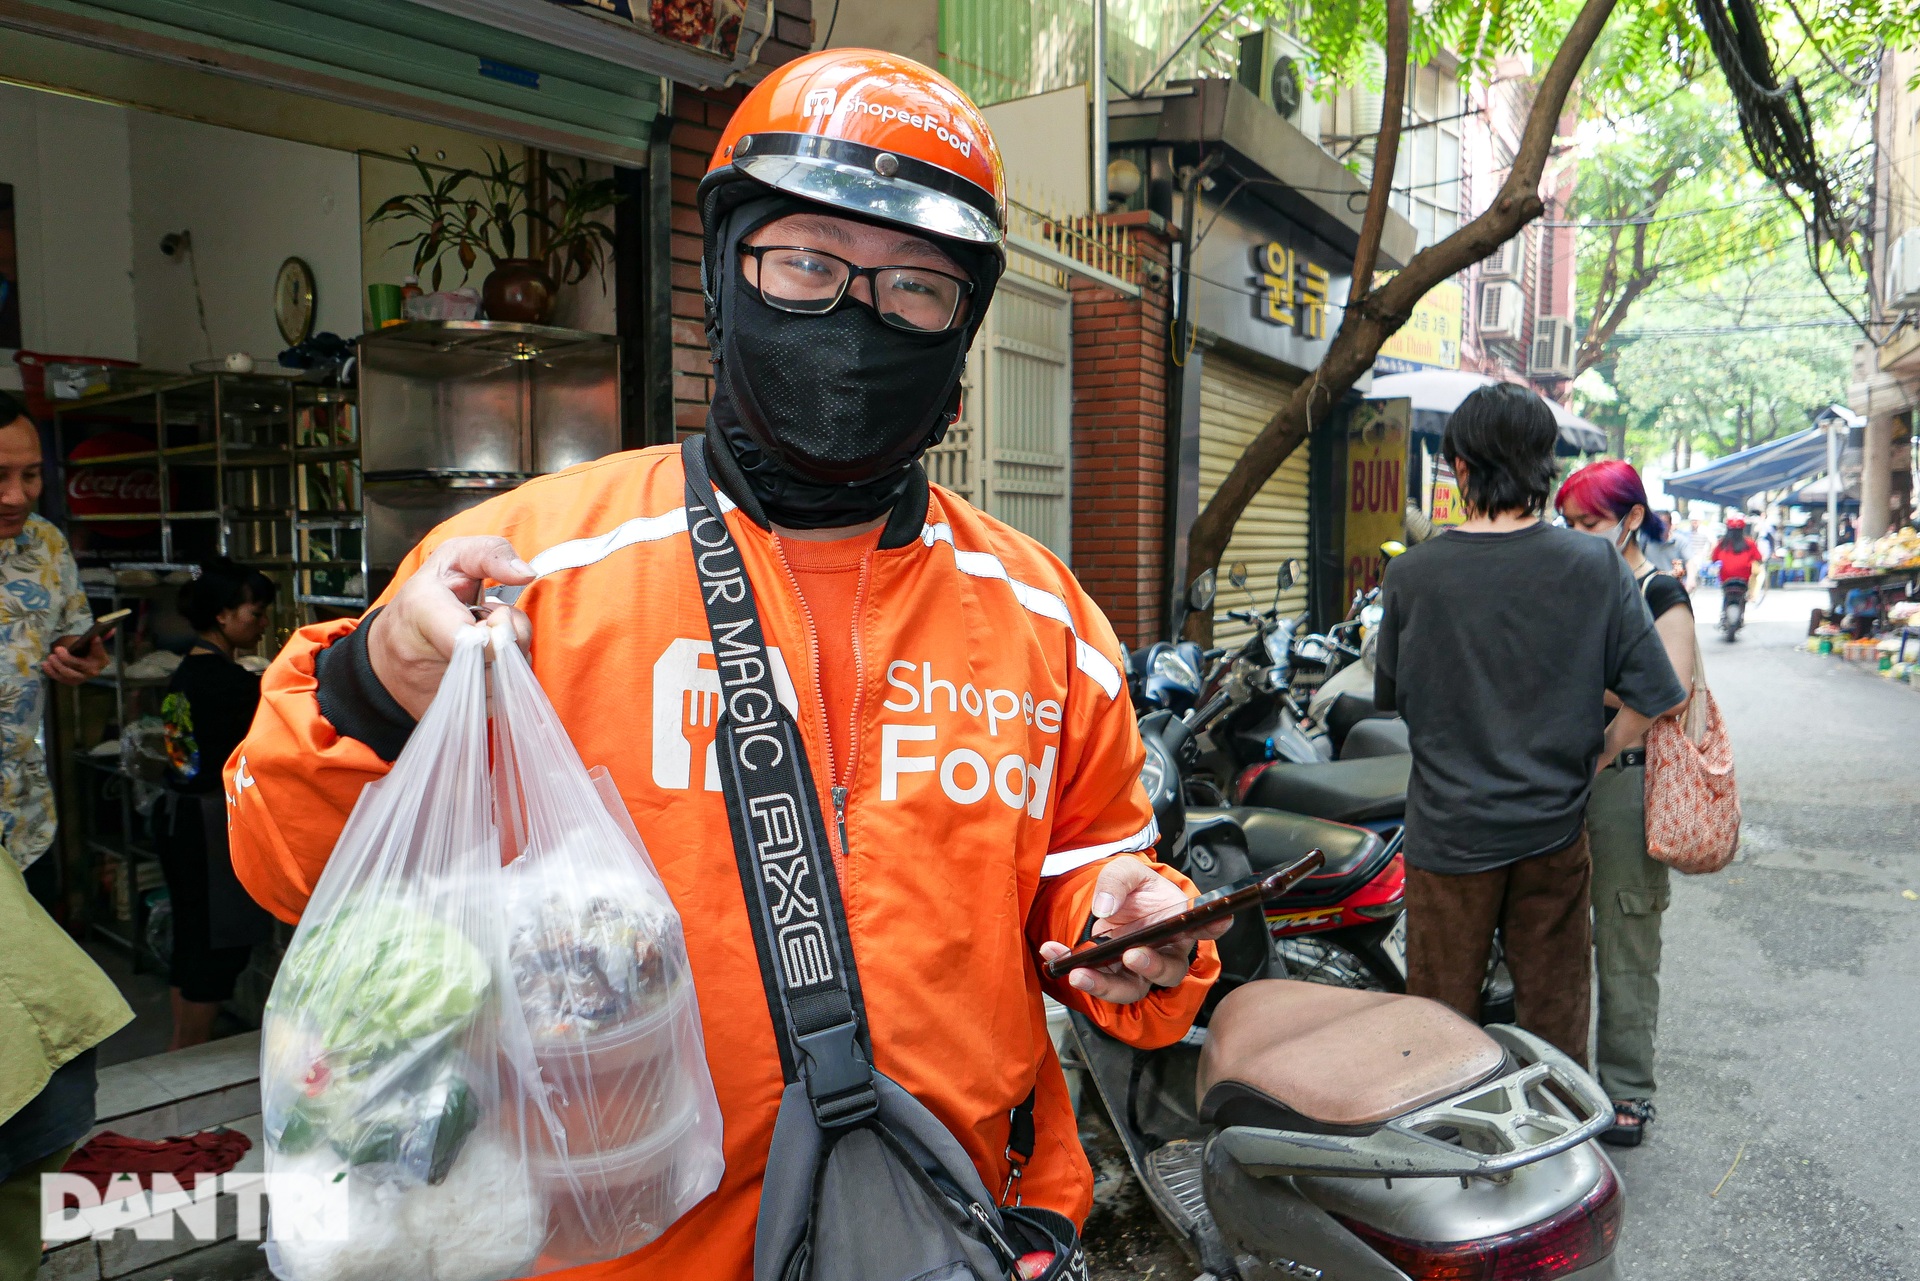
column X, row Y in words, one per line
column 41, row 608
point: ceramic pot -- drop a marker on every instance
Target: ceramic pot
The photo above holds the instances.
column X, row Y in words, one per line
column 519, row 289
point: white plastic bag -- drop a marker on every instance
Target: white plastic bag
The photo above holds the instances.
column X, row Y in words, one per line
column 600, row 969
column 383, row 1069
column 398, row 1061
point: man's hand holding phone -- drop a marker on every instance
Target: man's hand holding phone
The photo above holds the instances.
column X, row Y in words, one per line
column 1128, row 891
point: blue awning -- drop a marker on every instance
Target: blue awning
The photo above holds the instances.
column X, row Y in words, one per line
column 1730, row 481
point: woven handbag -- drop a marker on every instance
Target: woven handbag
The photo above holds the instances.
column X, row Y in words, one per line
column 1693, row 807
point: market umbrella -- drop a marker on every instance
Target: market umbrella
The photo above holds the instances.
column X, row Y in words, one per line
column 1436, row 393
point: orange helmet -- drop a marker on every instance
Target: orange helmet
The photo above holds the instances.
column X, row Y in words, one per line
column 869, row 134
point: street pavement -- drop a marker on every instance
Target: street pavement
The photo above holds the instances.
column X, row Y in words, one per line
column 1789, row 1043
column 1790, row 1022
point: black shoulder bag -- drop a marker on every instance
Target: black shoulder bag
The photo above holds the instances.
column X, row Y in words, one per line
column 863, row 1183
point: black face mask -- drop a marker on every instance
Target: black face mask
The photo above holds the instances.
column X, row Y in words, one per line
column 825, row 415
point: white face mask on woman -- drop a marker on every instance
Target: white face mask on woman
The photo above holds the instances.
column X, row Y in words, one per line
column 1616, row 533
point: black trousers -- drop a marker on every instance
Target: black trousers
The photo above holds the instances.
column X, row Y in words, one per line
column 202, row 971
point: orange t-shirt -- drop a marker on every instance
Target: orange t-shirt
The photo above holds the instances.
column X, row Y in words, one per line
column 829, row 575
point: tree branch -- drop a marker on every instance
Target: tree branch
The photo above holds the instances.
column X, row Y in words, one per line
column 1386, row 150
column 1376, row 315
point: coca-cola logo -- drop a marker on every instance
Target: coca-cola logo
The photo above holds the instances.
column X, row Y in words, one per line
column 134, row 489
column 130, row 487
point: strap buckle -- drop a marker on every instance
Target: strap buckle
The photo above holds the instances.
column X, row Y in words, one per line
column 839, row 1081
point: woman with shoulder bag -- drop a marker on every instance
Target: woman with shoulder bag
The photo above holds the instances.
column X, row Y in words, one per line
column 1630, row 889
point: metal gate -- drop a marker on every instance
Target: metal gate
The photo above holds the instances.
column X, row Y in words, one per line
column 1011, row 454
column 1235, row 402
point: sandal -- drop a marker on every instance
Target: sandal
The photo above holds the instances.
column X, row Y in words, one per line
column 1630, row 1120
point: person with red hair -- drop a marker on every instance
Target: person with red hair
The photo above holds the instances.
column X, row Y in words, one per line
column 1630, row 890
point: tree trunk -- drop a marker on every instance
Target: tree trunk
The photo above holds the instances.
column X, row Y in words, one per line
column 1374, row 315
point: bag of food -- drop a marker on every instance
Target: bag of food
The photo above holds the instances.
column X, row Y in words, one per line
column 494, row 1052
column 600, row 970
column 383, row 1065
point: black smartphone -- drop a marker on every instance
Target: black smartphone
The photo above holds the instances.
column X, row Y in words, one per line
column 1108, row 948
column 80, row 644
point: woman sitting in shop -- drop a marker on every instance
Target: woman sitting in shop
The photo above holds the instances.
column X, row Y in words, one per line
column 1629, row 886
column 208, row 707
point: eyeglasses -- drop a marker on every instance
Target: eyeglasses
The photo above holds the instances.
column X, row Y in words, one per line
column 807, row 282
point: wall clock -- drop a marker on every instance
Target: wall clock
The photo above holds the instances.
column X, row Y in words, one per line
column 294, row 300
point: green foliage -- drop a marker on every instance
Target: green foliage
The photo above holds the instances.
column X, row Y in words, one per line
column 1648, row 44
column 487, row 211
column 1736, row 359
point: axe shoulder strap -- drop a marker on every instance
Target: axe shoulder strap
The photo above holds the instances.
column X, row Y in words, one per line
column 779, row 835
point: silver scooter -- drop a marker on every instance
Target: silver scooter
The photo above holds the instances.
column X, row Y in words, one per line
column 1302, row 1130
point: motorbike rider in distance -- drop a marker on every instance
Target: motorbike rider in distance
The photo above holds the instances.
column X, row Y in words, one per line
column 1738, row 558
column 852, row 219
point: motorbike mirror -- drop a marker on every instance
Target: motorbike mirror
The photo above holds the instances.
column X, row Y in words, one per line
column 1289, row 575
column 1392, row 547
column 1237, row 573
column 1200, row 594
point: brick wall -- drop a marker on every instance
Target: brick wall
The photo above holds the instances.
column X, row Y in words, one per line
column 698, row 117
column 1120, row 385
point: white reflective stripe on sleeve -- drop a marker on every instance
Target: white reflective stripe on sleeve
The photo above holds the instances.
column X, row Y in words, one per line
column 1034, row 600
column 1097, row 665
column 1064, row 861
column 585, row 551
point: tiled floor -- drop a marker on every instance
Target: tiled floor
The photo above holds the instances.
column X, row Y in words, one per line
column 152, row 1024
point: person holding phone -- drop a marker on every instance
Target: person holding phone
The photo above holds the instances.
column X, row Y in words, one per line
column 960, row 697
column 43, row 610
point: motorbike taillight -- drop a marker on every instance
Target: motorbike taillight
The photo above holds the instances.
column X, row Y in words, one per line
column 1385, row 896
column 1578, row 1237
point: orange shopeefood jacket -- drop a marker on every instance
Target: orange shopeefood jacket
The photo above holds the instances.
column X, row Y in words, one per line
column 995, row 770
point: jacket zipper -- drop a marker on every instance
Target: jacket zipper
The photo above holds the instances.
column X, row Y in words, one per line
column 836, row 789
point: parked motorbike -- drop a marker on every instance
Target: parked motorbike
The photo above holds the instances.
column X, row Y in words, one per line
column 1302, row 1130
column 1344, row 925
column 1733, row 608
column 1317, row 1132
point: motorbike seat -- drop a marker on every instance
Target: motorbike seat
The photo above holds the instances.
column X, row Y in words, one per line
column 1287, row 1055
column 1344, row 791
column 1276, row 839
column 1376, row 736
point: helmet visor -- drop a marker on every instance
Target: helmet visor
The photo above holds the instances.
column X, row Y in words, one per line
column 906, row 197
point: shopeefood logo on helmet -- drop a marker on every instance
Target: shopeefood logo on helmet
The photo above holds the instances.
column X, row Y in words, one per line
column 821, row 102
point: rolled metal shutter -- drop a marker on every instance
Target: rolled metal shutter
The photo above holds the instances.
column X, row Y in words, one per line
column 1235, row 402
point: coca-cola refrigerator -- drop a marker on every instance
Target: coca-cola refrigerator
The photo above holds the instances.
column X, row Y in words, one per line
column 455, row 412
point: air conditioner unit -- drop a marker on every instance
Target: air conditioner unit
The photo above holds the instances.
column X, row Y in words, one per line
column 1903, row 271
column 1552, row 354
column 1501, row 307
column 1274, row 66
column 1508, row 262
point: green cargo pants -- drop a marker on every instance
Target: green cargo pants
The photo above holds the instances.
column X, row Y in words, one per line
column 1630, row 895
column 20, row 1217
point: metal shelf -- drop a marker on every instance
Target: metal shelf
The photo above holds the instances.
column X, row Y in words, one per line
column 340, row 601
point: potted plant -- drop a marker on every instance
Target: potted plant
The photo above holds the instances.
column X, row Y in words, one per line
column 494, row 212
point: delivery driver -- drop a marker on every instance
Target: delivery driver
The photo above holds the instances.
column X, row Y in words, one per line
column 959, row 695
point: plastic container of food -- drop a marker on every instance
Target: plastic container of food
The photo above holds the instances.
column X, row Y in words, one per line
column 620, row 1200
column 616, row 1088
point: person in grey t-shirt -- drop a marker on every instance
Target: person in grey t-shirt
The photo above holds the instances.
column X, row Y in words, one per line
column 1500, row 639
